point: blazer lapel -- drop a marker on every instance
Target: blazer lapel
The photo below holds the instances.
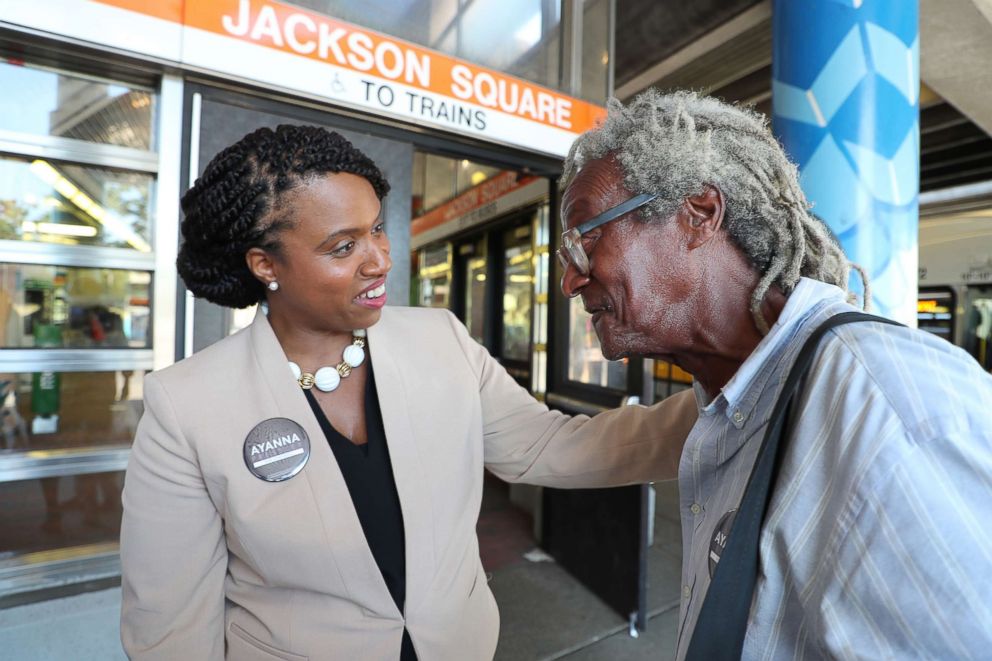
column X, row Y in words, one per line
column 342, row 529
column 386, row 347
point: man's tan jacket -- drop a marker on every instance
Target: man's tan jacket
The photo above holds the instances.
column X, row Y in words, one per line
column 218, row 563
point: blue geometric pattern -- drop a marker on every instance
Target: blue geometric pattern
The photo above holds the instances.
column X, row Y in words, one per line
column 845, row 98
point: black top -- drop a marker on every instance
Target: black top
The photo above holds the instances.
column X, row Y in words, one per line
column 369, row 475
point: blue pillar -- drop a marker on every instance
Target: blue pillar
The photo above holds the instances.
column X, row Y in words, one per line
column 845, row 98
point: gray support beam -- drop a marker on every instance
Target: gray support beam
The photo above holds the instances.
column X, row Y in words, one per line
column 571, row 46
column 956, row 43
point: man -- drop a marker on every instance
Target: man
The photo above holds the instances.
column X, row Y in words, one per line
column 689, row 239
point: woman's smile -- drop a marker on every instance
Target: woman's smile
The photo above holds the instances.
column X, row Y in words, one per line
column 374, row 297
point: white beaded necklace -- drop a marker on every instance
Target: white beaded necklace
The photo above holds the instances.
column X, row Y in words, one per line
column 329, row 378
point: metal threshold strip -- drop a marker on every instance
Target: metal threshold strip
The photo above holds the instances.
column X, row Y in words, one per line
column 41, row 570
column 35, row 464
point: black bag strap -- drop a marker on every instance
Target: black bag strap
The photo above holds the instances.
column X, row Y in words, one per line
column 719, row 631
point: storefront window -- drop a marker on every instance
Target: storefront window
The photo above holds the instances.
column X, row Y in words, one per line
column 48, row 103
column 71, row 308
column 77, row 192
column 586, row 363
column 49, row 409
column 52, row 202
column 53, row 513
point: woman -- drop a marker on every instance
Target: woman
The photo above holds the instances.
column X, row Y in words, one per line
column 278, row 509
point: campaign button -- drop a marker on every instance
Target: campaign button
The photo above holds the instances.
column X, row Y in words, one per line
column 276, row 449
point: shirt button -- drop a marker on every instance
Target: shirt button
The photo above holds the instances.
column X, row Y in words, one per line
column 685, row 591
column 695, row 509
column 738, row 416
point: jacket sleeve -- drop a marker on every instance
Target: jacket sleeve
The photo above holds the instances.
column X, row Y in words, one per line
column 526, row 442
column 173, row 555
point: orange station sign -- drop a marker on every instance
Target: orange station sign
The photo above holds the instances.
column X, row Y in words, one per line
column 285, row 47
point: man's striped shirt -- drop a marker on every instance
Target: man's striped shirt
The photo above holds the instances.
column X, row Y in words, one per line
column 878, row 538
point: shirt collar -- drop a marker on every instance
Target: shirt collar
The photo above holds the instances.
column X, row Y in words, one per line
column 741, row 393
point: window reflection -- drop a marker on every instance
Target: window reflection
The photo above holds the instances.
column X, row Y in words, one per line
column 45, row 306
column 45, row 103
column 51, row 202
column 519, row 37
column 586, row 363
column 502, row 35
column 50, row 410
column 58, row 512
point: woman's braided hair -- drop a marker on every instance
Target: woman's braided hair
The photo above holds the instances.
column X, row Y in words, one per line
column 675, row 144
column 240, row 202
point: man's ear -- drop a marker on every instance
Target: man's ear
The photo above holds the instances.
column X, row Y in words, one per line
column 702, row 215
column 261, row 264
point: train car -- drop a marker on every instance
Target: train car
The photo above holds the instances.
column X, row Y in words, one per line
column 955, row 280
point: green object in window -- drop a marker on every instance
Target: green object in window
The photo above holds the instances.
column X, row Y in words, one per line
column 46, row 386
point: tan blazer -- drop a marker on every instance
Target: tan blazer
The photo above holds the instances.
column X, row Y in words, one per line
column 218, row 563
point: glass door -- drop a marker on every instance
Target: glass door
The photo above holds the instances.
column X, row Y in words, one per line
column 434, row 276
column 474, row 285
column 518, row 301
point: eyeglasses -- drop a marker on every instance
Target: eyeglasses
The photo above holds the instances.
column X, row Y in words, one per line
column 571, row 250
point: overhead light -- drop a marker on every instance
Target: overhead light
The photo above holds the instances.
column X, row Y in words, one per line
column 435, row 270
column 66, row 230
column 465, row 163
column 520, row 258
column 44, row 171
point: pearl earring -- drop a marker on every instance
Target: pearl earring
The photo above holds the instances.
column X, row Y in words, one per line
column 273, row 286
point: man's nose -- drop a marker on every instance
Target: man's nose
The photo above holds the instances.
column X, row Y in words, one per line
column 572, row 281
